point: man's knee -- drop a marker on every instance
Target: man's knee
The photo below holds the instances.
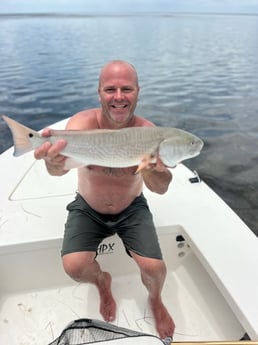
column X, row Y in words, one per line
column 150, row 266
column 76, row 264
column 155, row 267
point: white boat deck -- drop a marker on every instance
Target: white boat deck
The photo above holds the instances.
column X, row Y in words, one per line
column 32, row 219
column 39, row 300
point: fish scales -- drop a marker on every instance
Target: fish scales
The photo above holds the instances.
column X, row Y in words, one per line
column 114, row 148
column 134, row 146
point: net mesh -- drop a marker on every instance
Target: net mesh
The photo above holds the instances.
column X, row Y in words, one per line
column 89, row 331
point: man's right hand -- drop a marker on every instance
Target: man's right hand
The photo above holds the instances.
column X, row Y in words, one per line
column 51, row 154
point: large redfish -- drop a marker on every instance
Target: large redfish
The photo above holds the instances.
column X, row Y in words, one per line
column 134, row 146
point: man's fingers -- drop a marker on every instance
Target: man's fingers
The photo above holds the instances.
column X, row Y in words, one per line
column 56, row 148
column 46, row 132
column 41, row 152
column 51, row 152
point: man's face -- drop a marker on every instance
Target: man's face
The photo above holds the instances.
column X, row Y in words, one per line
column 118, row 94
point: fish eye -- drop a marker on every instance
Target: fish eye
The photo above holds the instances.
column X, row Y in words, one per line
column 31, row 135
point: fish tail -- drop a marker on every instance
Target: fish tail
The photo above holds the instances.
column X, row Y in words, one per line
column 21, row 136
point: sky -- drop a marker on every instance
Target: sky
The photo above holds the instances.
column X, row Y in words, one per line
column 46, row 6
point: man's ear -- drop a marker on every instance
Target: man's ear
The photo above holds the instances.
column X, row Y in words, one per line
column 99, row 95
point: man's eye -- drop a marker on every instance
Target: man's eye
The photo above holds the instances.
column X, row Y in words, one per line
column 109, row 90
column 127, row 89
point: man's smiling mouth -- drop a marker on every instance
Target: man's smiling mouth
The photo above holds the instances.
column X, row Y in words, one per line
column 119, row 106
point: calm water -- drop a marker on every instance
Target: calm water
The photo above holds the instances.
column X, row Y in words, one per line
column 197, row 72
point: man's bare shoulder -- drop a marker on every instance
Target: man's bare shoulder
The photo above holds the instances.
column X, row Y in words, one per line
column 86, row 119
column 142, row 122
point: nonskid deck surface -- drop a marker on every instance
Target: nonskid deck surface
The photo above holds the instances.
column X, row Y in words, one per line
column 35, row 316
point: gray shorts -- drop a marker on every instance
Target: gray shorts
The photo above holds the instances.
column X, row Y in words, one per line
column 85, row 228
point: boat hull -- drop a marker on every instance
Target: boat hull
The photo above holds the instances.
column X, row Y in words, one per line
column 211, row 288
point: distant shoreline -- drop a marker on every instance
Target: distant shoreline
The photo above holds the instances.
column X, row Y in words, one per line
column 120, row 14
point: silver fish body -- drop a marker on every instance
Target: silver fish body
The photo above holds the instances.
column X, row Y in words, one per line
column 113, row 148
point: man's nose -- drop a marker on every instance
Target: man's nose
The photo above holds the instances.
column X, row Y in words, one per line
column 118, row 94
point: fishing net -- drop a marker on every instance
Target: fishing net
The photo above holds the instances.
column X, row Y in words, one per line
column 88, row 331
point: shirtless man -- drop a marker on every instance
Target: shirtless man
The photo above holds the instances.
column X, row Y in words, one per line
column 112, row 196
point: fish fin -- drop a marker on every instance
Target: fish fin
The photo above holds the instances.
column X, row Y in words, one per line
column 169, row 157
column 21, row 136
column 71, row 163
column 145, row 162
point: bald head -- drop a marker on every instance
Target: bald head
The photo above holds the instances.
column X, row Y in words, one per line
column 118, row 68
column 118, row 93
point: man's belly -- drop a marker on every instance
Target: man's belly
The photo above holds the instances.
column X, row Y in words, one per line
column 109, row 191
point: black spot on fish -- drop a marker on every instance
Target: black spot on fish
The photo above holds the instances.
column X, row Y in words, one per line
column 31, row 135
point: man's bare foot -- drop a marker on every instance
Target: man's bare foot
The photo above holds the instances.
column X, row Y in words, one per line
column 164, row 322
column 107, row 302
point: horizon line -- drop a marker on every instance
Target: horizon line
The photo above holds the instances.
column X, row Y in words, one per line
column 117, row 13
